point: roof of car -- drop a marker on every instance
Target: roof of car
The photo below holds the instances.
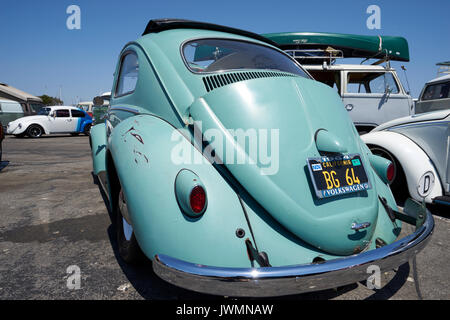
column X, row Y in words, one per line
column 446, row 77
column 428, row 116
column 159, row 25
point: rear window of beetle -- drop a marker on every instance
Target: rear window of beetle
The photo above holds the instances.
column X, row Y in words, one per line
column 213, row 55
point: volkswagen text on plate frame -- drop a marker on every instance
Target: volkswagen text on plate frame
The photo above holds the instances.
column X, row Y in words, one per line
column 180, row 92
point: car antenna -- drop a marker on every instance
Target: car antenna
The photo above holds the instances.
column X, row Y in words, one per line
column 406, row 77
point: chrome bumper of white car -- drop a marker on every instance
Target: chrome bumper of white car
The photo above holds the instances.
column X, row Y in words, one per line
column 286, row 280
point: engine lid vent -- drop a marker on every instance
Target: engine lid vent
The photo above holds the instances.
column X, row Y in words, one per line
column 219, row 80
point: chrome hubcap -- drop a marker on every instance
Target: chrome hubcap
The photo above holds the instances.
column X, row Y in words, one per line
column 35, row 132
column 127, row 228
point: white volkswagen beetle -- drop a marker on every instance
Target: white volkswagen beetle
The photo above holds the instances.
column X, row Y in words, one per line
column 52, row 119
column 419, row 147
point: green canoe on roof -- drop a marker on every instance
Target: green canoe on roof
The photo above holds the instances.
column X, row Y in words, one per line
column 352, row 46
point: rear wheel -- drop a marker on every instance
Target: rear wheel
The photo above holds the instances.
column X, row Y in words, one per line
column 35, row 131
column 128, row 246
column 399, row 185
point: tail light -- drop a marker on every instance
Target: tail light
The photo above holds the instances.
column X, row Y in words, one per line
column 383, row 167
column 197, row 199
column 190, row 193
column 390, row 172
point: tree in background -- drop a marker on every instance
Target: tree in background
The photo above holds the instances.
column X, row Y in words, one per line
column 51, row 101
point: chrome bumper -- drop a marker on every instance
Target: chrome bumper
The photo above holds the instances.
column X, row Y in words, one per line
column 286, row 280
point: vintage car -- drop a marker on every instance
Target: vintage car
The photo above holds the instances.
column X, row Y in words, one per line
column 435, row 95
column 52, row 119
column 419, row 148
column 237, row 174
column 372, row 93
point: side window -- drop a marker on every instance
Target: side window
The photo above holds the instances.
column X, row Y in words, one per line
column 330, row 78
column 36, row 107
column 371, row 82
column 437, row 91
column 63, row 113
column 12, row 107
column 356, row 82
column 128, row 75
column 390, row 83
column 356, row 87
column 77, row 113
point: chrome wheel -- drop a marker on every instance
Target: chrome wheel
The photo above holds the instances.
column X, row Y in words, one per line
column 127, row 228
column 34, row 131
column 128, row 246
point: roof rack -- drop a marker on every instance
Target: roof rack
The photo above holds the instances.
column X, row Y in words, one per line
column 159, row 25
column 306, row 56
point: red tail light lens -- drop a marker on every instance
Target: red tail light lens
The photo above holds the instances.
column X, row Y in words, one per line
column 197, row 199
column 390, row 174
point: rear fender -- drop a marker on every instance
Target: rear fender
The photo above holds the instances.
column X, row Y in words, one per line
column 414, row 161
column 146, row 154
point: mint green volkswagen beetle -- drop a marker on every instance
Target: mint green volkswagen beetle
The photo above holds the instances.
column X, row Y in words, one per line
column 237, row 174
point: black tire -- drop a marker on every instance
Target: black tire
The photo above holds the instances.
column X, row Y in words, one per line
column 129, row 248
column 35, row 131
column 87, row 129
column 399, row 186
column 21, row 135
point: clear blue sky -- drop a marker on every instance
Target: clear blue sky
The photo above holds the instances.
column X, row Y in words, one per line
column 38, row 54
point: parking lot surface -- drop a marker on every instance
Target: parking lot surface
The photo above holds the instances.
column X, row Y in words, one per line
column 53, row 220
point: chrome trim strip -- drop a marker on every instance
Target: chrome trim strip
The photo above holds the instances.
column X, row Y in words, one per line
column 136, row 111
column 278, row 281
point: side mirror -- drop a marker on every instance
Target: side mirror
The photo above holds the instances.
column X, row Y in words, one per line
column 98, row 101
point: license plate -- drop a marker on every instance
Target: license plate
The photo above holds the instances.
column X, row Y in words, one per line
column 334, row 176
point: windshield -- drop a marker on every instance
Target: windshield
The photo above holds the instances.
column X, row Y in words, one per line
column 210, row 55
column 44, row 111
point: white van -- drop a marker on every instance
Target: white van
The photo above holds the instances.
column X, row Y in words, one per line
column 9, row 111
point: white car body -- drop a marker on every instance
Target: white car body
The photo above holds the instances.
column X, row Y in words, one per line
column 418, row 158
column 54, row 122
